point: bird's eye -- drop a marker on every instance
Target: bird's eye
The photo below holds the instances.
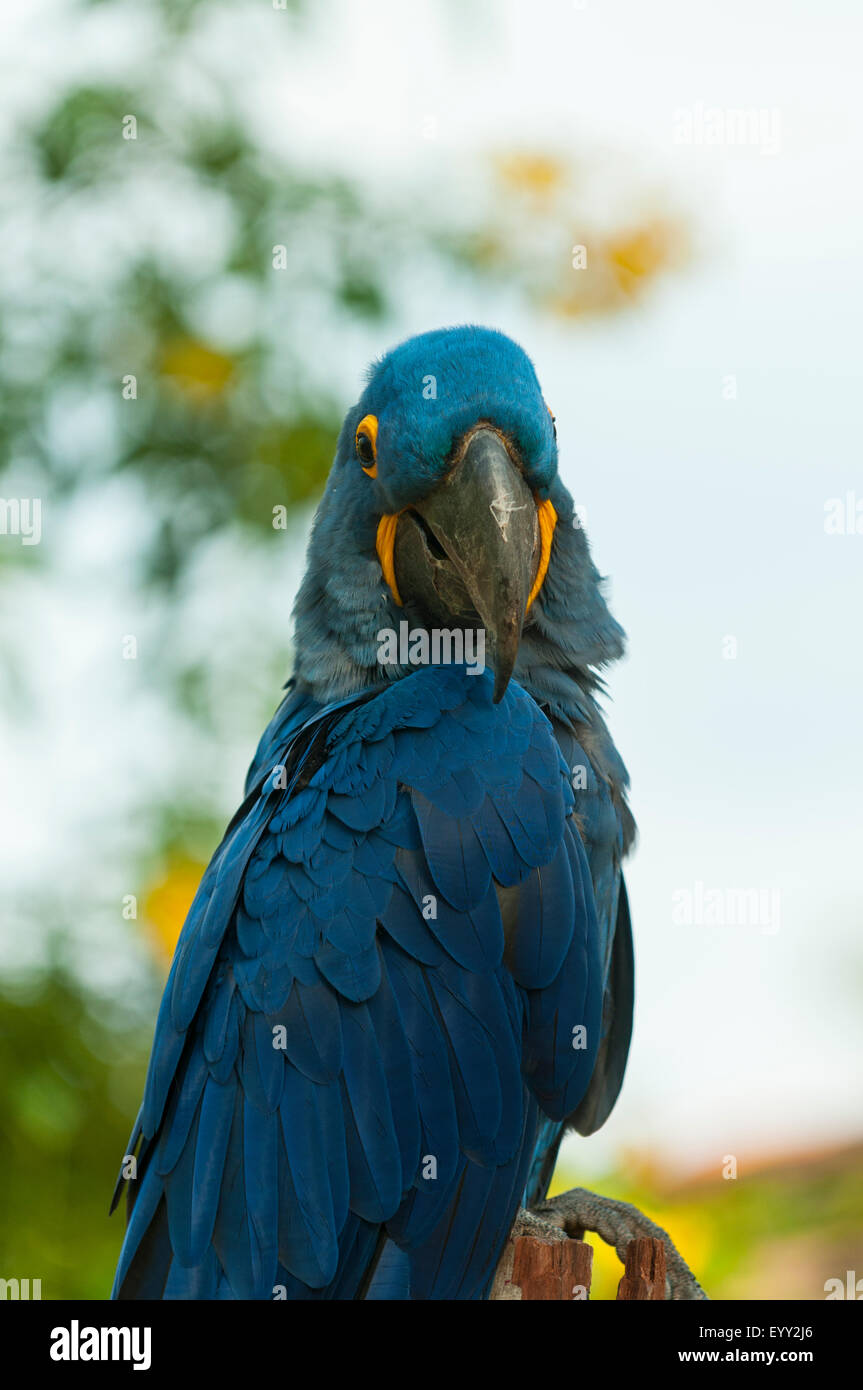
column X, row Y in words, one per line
column 366, row 442
column 553, row 420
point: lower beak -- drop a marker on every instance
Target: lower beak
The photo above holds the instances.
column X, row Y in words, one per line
column 471, row 550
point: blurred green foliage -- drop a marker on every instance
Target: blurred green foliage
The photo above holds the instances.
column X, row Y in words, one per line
column 71, row 1071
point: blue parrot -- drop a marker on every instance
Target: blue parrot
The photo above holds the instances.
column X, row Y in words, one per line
column 408, row 967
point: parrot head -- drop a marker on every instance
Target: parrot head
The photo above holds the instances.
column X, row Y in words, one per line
column 441, row 507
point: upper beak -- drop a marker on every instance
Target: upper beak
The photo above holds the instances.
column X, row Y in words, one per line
column 472, row 549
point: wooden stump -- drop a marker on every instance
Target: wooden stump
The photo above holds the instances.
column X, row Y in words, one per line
column 541, row 1262
column 644, row 1276
column 555, row 1271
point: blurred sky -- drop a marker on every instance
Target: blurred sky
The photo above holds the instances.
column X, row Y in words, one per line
column 706, row 513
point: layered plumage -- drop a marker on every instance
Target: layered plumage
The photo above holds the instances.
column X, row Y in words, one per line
column 408, row 965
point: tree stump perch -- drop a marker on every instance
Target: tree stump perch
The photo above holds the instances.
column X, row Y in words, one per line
column 644, row 1272
column 552, row 1270
column 556, row 1271
column 543, row 1261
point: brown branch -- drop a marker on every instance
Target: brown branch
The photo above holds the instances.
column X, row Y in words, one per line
column 644, row 1279
column 541, row 1262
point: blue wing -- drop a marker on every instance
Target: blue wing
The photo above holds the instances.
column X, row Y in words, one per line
column 606, row 829
column 382, row 980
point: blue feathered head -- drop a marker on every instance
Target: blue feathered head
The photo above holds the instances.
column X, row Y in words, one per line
column 430, row 393
column 444, row 508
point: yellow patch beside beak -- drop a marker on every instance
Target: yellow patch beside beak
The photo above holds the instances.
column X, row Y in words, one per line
column 386, row 539
column 385, row 545
column 547, row 518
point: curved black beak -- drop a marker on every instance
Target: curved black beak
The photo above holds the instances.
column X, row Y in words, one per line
column 469, row 552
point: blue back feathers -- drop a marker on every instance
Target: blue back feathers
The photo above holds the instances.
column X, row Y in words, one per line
column 346, row 952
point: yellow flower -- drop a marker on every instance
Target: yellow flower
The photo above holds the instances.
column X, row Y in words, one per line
column 167, row 902
column 536, row 175
column 643, row 251
column 198, row 370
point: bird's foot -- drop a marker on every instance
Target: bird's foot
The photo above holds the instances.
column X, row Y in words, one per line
column 617, row 1223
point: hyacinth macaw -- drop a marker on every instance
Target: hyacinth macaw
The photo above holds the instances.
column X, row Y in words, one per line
column 408, row 967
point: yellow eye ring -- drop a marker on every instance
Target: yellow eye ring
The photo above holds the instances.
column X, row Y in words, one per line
column 366, row 442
